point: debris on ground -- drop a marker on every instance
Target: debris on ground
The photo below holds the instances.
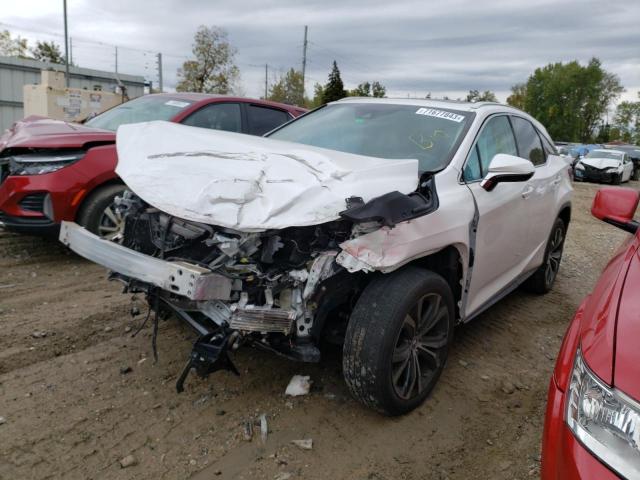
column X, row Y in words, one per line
column 282, row 476
column 305, row 444
column 125, row 370
column 247, row 432
column 39, row 334
column 128, row 461
column 3, row 420
column 298, row 385
column 264, row 428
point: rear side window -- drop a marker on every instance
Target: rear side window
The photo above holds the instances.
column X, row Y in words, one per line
column 265, row 119
column 217, row 116
column 496, row 137
column 529, row 144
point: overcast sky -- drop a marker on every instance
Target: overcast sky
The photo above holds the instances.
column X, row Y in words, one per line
column 412, row 47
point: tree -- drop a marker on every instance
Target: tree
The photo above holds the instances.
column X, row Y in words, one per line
column 366, row 89
column 627, row 121
column 518, row 95
column 47, row 52
column 318, row 95
column 569, row 99
column 334, row 89
column 288, row 89
column 213, row 70
column 486, row 96
column 12, row 47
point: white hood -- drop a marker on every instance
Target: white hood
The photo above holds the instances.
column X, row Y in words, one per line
column 249, row 183
column 601, row 163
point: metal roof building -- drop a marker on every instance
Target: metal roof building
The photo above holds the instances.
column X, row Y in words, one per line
column 17, row 72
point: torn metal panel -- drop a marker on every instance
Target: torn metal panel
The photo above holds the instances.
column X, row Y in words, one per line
column 387, row 249
column 249, row 183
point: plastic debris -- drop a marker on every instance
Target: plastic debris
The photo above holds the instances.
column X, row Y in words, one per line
column 264, row 428
column 299, row 385
column 305, row 444
column 247, row 433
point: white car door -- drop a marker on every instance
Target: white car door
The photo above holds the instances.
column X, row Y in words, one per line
column 540, row 191
column 500, row 241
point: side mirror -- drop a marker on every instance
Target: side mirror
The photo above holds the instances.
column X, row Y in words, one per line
column 617, row 207
column 507, row 168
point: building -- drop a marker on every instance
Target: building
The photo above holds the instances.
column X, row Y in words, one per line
column 15, row 73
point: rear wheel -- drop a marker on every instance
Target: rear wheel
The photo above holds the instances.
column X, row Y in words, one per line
column 636, row 173
column 397, row 340
column 99, row 215
column 544, row 277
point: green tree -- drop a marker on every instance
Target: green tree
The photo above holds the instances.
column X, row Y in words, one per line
column 47, row 52
column 288, row 89
column 366, row 89
column 518, row 95
column 13, row 47
column 627, row 121
column 486, row 96
column 334, row 89
column 318, row 95
column 213, row 70
column 569, row 99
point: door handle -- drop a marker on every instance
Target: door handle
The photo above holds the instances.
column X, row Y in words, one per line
column 528, row 190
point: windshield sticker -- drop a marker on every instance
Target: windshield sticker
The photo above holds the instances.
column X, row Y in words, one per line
column 432, row 112
column 176, row 103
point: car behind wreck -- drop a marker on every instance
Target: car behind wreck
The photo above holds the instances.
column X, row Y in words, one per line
column 376, row 224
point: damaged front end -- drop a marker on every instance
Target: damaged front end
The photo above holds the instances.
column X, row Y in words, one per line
column 280, row 290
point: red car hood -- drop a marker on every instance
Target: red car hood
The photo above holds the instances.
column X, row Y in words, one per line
column 42, row 132
column 610, row 325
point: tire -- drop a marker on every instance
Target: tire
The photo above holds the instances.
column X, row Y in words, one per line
column 382, row 328
column 635, row 175
column 544, row 277
column 94, row 216
column 616, row 179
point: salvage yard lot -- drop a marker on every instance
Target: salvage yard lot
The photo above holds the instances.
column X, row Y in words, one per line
column 78, row 393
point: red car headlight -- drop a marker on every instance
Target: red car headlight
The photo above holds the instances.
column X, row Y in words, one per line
column 605, row 420
column 41, row 163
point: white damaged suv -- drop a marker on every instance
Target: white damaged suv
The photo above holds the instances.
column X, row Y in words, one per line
column 378, row 224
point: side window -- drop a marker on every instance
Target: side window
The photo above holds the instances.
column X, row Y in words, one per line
column 217, row 116
column 529, row 143
column 549, row 148
column 265, row 119
column 496, row 137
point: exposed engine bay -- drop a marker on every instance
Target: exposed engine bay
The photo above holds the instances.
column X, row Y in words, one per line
column 269, row 289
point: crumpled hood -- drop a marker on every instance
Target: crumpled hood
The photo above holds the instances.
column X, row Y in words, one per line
column 601, row 163
column 41, row 132
column 249, row 183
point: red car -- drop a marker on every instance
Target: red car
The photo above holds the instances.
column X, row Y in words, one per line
column 52, row 170
column 592, row 425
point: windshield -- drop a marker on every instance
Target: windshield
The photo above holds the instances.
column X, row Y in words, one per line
column 604, row 154
column 427, row 134
column 141, row 109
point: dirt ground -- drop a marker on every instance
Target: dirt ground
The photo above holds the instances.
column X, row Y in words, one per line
column 72, row 408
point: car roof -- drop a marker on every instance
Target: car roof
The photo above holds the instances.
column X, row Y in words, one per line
column 428, row 102
column 199, row 97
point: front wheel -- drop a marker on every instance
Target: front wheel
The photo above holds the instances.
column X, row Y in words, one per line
column 616, row 179
column 544, row 277
column 99, row 215
column 398, row 339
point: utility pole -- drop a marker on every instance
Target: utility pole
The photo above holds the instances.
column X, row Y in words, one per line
column 116, row 59
column 160, row 71
column 266, row 80
column 71, row 50
column 304, row 57
column 66, row 42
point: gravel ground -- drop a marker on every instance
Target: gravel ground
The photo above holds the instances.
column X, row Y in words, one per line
column 79, row 394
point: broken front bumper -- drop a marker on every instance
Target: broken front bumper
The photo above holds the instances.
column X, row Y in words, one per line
column 181, row 278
